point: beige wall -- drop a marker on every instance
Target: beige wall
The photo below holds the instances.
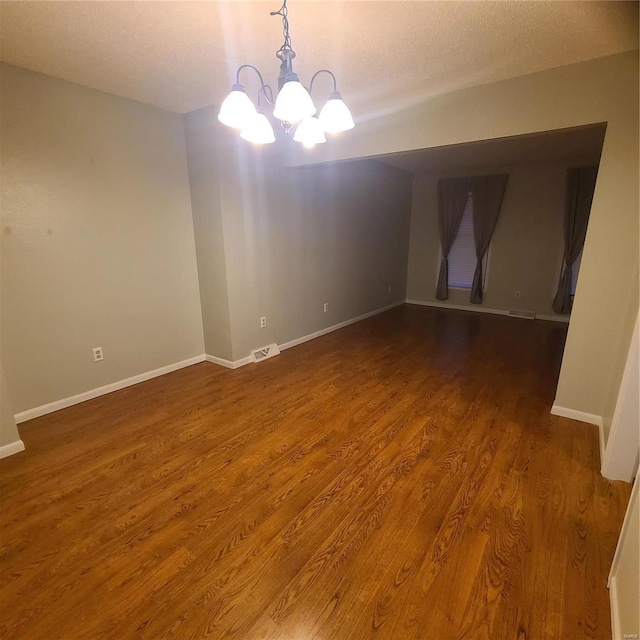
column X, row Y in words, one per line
column 97, row 242
column 628, row 312
column 337, row 234
column 297, row 238
column 601, row 90
column 526, row 249
column 90, row 176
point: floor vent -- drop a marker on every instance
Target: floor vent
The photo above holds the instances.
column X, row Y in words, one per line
column 529, row 315
column 265, row 353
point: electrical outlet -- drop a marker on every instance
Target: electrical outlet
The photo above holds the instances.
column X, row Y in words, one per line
column 325, row 307
column 97, row 354
column 517, row 294
column 263, row 322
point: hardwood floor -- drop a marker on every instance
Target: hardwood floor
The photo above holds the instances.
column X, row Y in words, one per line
column 400, row 478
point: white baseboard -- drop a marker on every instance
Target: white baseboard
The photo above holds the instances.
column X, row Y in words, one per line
column 7, row 450
column 459, row 307
column 229, row 364
column 335, row 327
column 589, row 418
column 479, row 309
column 44, row 409
column 234, row 364
column 564, row 412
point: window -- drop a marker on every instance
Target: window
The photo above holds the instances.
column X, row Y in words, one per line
column 462, row 257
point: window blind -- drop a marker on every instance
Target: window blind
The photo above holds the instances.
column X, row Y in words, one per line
column 462, row 257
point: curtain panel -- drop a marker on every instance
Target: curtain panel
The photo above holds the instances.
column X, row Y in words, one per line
column 581, row 184
column 487, row 193
column 452, row 198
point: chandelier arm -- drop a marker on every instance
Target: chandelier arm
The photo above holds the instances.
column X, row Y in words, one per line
column 250, row 66
column 335, row 84
column 267, row 92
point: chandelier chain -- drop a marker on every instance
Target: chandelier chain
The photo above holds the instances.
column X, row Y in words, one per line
column 283, row 11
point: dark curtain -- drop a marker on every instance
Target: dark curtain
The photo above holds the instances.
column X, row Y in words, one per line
column 452, row 198
column 487, row 193
column 581, row 184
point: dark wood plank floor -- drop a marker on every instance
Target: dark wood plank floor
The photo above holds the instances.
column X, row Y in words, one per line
column 401, row 478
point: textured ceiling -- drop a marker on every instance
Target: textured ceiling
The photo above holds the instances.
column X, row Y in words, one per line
column 581, row 145
column 182, row 55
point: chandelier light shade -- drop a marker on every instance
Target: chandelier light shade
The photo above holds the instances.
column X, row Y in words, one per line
column 310, row 132
column 237, row 110
column 258, row 130
column 335, row 116
column 293, row 103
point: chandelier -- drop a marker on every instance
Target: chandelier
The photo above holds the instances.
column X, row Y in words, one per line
column 292, row 106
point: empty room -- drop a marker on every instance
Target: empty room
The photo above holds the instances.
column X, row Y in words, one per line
column 319, row 320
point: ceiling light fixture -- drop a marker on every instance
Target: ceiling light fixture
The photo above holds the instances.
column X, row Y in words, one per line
column 292, row 105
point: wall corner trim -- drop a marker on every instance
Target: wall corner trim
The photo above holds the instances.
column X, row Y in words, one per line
column 229, row 364
column 602, row 441
column 10, row 449
column 613, row 603
column 44, row 409
column 574, row 414
column 612, row 584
